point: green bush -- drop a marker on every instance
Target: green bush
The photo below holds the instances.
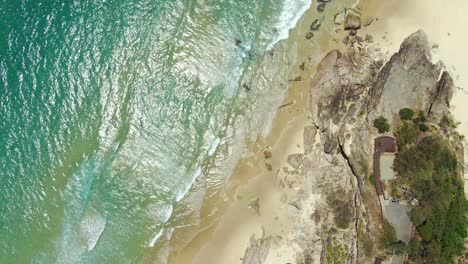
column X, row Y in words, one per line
column 406, row 114
column 423, row 127
column 381, row 124
column 406, row 134
column 420, row 119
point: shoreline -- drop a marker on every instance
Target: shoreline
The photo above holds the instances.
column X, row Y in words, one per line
column 229, row 235
column 251, row 178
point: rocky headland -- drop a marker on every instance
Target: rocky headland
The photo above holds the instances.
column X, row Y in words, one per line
column 336, row 211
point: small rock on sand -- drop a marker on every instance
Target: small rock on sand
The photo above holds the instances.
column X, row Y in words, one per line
column 267, row 153
column 352, row 21
column 315, row 25
column 321, row 7
column 254, row 204
column 309, row 35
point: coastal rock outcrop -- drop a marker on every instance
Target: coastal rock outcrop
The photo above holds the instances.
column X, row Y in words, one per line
column 340, row 217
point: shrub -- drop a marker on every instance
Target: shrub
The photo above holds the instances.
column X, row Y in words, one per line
column 406, row 114
column 381, row 124
column 423, row 127
column 406, row 134
column 420, row 119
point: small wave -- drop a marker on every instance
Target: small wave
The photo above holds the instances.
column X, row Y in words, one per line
column 291, row 13
column 92, row 228
column 155, row 238
column 214, row 146
column 181, row 194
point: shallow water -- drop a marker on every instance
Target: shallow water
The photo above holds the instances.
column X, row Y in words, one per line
column 110, row 111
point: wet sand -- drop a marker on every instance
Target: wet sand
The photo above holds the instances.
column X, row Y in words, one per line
column 224, row 239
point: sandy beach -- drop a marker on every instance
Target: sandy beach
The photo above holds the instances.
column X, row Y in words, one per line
column 225, row 239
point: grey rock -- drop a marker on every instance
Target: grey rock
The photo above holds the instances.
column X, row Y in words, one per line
column 295, row 160
column 257, row 251
column 309, row 138
column 309, row 35
column 409, row 79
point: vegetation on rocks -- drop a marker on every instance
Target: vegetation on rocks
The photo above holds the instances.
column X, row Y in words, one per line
column 336, row 254
column 382, row 125
column 430, row 168
column 406, row 114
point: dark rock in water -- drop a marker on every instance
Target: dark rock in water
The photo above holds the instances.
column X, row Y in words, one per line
column 302, row 66
column 324, row 1
column 268, row 166
column 315, row 25
column 309, row 35
column 246, row 87
column 238, row 42
column 272, row 52
column 321, row 7
column 267, row 153
column 352, row 21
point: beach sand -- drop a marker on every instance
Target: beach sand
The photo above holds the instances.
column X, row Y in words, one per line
column 225, row 239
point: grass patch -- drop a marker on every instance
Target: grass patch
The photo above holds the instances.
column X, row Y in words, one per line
column 336, row 254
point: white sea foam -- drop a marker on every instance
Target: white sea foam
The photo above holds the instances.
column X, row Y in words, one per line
column 182, row 193
column 290, row 14
column 155, row 238
column 214, row 146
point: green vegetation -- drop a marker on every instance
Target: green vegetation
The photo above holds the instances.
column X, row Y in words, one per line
column 423, row 127
column 431, row 169
column 447, row 121
column 406, row 114
column 372, row 179
column 336, row 254
column 381, row 124
column 420, row 119
column 406, row 134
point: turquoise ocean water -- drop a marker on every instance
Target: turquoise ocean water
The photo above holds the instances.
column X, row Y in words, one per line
column 110, row 110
